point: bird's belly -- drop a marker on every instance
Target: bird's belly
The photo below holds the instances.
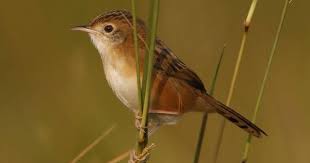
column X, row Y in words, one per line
column 125, row 88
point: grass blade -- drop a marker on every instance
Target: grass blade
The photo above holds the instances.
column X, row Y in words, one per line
column 149, row 65
column 235, row 74
column 135, row 38
column 147, row 78
column 92, row 145
column 262, row 88
column 205, row 115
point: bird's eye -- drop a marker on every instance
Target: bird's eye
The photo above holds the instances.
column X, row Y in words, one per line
column 108, row 28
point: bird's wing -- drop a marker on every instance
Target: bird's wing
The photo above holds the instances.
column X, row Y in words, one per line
column 174, row 85
column 168, row 64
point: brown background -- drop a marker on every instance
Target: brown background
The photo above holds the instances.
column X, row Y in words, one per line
column 54, row 99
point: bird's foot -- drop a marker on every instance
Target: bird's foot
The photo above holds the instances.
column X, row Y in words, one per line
column 138, row 122
column 141, row 158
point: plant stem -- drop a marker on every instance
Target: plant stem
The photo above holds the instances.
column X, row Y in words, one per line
column 92, row 145
column 143, row 135
column 148, row 41
column 137, row 58
column 135, row 38
column 262, row 88
column 205, row 115
column 235, row 74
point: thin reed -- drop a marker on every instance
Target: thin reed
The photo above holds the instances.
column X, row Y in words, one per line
column 235, row 74
column 262, row 88
column 205, row 115
column 135, row 38
column 144, row 93
column 92, row 145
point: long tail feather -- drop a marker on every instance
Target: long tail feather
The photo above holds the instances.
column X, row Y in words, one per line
column 235, row 117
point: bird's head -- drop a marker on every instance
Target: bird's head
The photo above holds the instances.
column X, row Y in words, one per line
column 113, row 29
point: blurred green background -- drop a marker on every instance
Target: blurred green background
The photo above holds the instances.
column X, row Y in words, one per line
column 54, row 99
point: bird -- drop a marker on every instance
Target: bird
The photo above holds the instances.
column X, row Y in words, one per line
column 175, row 89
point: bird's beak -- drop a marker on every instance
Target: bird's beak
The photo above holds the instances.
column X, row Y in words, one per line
column 84, row 28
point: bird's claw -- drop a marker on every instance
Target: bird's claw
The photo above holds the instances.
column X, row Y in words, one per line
column 141, row 158
column 138, row 123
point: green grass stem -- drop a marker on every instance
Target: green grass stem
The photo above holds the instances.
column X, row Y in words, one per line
column 262, row 88
column 205, row 115
column 148, row 63
column 235, row 74
column 136, row 46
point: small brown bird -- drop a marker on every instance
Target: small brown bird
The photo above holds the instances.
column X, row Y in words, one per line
column 175, row 90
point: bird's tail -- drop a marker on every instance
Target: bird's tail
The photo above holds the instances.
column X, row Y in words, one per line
column 235, row 117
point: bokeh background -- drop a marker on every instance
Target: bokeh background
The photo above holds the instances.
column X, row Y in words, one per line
column 54, row 99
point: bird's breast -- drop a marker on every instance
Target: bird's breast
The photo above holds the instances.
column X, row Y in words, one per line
column 123, row 83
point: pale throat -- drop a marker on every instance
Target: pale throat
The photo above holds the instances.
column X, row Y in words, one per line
column 101, row 45
column 116, row 71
